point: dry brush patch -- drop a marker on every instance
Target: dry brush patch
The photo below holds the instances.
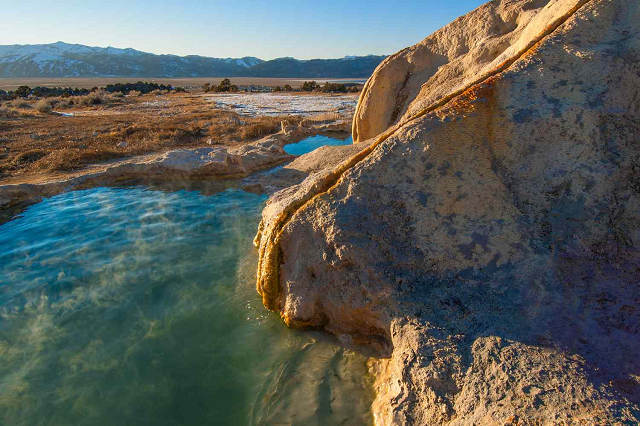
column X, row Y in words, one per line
column 105, row 127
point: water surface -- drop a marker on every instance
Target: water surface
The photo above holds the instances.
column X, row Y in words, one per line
column 137, row 306
column 313, row 143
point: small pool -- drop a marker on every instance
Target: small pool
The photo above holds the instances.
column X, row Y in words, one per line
column 314, row 142
column 138, row 306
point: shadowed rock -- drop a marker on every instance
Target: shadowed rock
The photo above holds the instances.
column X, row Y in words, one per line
column 488, row 237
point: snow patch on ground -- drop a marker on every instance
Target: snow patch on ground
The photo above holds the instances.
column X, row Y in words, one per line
column 155, row 104
column 254, row 104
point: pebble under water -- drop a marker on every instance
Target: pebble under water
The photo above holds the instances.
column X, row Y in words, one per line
column 138, row 306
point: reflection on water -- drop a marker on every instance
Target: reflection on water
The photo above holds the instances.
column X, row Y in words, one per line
column 137, row 306
column 314, row 142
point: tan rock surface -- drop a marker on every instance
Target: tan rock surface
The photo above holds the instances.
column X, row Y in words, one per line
column 457, row 56
column 490, row 241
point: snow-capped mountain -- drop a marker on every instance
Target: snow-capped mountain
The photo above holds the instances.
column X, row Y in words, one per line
column 246, row 62
column 76, row 60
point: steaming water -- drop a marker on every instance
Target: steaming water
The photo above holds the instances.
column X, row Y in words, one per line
column 314, row 142
column 137, row 306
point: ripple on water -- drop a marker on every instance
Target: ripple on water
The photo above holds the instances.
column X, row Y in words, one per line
column 137, row 306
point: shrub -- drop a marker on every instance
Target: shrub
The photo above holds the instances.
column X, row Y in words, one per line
column 44, row 106
column 47, row 92
column 23, row 91
column 62, row 102
column 224, row 86
column 309, row 86
column 20, row 104
column 134, row 93
column 140, row 86
column 287, row 88
column 333, row 88
column 93, row 98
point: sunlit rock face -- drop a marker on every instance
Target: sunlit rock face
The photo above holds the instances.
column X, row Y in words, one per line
column 487, row 237
column 452, row 59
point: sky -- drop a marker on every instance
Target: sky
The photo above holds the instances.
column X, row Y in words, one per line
column 233, row 28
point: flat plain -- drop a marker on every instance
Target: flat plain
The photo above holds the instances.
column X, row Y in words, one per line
column 187, row 83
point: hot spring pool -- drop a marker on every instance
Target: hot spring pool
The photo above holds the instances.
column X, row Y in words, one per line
column 314, row 142
column 138, row 306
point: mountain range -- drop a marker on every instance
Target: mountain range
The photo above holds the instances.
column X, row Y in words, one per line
column 76, row 60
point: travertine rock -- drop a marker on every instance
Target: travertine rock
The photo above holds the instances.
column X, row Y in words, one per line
column 170, row 166
column 464, row 52
column 489, row 240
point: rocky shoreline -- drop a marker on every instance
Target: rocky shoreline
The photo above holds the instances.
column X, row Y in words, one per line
column 194, row 164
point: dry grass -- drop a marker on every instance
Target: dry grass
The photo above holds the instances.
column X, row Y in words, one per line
column 260, row 129
column 19, row 104
column 44, row 105
column 95, row 98
column 14, row 109
column 323, row 117
column 34, row 141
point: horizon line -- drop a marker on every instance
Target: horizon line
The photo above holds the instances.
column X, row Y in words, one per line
column 184, row 56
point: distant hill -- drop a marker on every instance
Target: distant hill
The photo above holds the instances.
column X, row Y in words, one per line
column 76, row 60
column 350, row 67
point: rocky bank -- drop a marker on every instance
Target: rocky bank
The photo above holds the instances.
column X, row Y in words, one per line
column 187, row 166
column 484, row 236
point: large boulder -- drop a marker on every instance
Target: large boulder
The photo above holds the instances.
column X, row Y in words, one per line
column 487, row 240
column 452, row 59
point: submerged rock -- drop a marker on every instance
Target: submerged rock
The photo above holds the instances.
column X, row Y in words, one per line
column 487, row 237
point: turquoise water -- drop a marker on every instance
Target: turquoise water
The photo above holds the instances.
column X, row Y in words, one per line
column 133, row 306
column 314, row 142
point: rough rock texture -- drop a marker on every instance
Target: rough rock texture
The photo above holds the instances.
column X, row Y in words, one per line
column 489, row 241
column 452, row 59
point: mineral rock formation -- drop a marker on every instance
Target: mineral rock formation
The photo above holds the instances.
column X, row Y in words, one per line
column 487, row 238
column 179, row 164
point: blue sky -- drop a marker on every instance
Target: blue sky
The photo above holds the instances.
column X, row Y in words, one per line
column 266, row 29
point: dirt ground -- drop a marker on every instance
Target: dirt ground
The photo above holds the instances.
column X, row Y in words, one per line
column 70, row 137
